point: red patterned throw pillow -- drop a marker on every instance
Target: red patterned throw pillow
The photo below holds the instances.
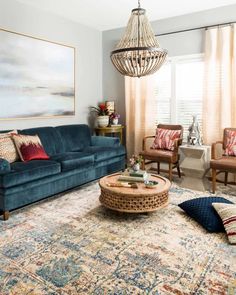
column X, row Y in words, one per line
column 165, row 139
column 230, row 149
column 29, row 147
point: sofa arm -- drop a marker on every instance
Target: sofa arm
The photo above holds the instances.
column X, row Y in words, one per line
column 105, row 141
column 5, row 166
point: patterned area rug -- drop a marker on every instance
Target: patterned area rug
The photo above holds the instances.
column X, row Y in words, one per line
column 71, row 245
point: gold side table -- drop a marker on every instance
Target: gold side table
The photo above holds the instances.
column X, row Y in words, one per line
column 114, row 130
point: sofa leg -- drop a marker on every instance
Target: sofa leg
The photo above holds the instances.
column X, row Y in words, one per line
column 6, row 215
column 213, row 180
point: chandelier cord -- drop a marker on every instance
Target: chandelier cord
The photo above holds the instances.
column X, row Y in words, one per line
column 138, row 24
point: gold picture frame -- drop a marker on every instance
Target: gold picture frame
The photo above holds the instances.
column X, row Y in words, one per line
column 37, row 77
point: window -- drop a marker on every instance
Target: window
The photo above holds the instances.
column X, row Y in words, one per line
column 179, row 91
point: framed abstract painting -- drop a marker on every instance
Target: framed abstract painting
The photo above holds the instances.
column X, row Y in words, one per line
column 37, row 77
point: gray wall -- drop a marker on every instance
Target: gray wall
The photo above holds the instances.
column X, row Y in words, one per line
column 177, row 44
column 88, row 43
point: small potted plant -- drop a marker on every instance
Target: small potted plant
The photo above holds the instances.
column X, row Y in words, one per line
column 102, row 115
column 114, row 118
column 135, row 162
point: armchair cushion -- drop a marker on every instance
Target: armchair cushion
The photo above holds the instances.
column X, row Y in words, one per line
column 230, row 148
column 160, row 155
column 5, row 166
column 224, row 164
column 165, row 139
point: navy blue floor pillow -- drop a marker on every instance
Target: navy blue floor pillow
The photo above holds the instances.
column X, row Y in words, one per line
column 203, row 212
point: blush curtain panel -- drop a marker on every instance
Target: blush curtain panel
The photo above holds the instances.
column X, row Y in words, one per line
column 141, row 111
column 219, row 102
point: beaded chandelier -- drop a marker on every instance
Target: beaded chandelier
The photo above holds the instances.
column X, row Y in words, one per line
column 138, row 53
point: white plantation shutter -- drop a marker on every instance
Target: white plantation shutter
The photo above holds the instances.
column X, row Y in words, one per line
column 189, row 91
column 179, row 91
column 163, row 93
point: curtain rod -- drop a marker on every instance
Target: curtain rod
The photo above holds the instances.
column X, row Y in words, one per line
column 193, row 29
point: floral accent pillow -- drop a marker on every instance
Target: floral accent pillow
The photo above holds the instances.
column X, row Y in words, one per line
column 165, row 139
column 29, row 147
column 230, row 149
column 8, row 150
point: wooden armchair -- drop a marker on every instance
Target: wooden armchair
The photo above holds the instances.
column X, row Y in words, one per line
column 163, row 156
column 223, row 163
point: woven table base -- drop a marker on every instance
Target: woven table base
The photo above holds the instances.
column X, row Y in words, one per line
column 134, row 200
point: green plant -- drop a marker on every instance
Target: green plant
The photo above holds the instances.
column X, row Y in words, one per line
column 101, row 110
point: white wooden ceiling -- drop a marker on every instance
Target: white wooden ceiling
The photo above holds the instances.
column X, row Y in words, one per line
column 110, row 14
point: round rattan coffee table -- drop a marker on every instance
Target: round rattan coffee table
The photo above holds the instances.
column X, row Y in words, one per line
column 134, row 200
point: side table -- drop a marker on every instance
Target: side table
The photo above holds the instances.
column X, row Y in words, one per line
column 195, row 163
column 111, row 130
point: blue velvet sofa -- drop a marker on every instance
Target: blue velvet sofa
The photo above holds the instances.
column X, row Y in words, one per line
column 76, row 158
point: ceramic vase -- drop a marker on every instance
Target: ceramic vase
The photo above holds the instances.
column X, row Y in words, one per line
column 115, row 121
column 136, row 167
column 103, row 121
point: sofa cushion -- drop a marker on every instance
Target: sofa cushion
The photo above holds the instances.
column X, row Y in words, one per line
column 50, row 138
column 22, row 172
column 75, row 137
column 73, row 160
column 104, row 153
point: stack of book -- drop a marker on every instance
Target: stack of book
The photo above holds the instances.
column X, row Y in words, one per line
column 133, row 176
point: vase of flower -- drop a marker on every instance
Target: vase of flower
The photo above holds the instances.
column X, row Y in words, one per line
column 115, row 121
column 102, row 115
column 103, row 121
column 136, row 167
column 114, row 118
column 135, row 162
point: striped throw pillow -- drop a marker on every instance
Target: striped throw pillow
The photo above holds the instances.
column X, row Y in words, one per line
column 227, row 213
column 230, row 149
column 7, row 147
column 165, row 139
